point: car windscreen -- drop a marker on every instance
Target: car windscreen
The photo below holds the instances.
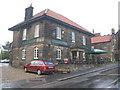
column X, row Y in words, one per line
column 48, row 63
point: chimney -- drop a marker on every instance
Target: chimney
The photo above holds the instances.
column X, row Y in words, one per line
column 28, row 12
column 93, row 31
column 113, row 31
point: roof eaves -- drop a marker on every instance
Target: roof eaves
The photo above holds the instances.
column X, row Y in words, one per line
column 26, row 23
column 71, row 26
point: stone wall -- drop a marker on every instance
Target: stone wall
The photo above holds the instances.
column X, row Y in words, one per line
column 47, row 49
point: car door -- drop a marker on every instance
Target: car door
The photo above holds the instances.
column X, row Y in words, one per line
column 38, row 65
column 31, row 66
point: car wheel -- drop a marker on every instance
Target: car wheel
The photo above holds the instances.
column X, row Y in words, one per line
column 25, row 69
column 39, row 72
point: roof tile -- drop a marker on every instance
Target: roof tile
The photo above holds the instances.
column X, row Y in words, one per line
column 101, row 39
column 55, row 15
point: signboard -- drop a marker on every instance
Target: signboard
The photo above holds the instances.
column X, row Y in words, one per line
column 65, row 60
column 60, row 42
column 29, row 42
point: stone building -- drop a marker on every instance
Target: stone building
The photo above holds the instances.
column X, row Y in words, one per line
column 107, row 43
column 48, row 36
column 117, row 46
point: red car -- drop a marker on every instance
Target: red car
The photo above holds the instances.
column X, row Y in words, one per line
column 40, row 66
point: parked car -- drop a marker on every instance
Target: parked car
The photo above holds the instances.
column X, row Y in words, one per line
column 5, row 61
column 40, row 66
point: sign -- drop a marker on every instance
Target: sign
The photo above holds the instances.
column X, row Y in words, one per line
column 60, row 42
column 29, row 42
column 65, row 60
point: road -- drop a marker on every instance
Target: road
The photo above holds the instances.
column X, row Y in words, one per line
column 106, row 79
column 100, row 79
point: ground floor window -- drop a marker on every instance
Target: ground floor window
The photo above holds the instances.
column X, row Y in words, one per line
column 58, row 54
column 84, row 56
column 36, row 53
column 23, row 54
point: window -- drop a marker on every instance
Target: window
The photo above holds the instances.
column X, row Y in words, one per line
column 24, row 34
column 36, row 53
column 38, row 63
column 58, row 54
column 32, row 63
column 83, row 55
column 48, row 63
column 23, row 54
column 73, row 36
column 36, row 34
column 84, row 40
column 58, row 33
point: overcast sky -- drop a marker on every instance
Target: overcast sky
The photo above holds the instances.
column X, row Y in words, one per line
column 100, row 15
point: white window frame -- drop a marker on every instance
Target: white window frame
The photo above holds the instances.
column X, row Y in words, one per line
column 23, row 54
column 24, row 34
column 84, row 40
column 58, row 32
column 58, row 53
column 73, row 36
column 36, row 34
column 36, row 53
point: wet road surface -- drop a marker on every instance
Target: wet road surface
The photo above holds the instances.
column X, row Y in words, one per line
column 106, row 79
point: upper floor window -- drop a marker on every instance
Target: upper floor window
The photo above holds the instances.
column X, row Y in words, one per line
column 84, row 40
column 24, row 34
column 23, row 54
column 58, row 32
column 36, row 53
column 58, row 54
column 73, row 36
column 36, row 34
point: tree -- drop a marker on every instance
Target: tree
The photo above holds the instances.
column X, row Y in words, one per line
column 5, row 55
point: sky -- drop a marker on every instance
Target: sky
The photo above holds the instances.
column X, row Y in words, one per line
column 100, row 15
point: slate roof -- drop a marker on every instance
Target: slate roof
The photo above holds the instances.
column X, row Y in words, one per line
column 55, row 15
column 101, row 39
column 50, row 13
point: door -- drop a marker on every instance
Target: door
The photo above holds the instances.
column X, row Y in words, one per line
column 74, row 55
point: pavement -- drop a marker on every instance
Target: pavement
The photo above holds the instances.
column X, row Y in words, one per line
column 91, row 70
column 16, row 78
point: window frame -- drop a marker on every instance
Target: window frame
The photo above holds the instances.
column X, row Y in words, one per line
column 73, row 37
column 37, row 29
column 36, row 53
column 23, row 54
column 24, row 34
column 84, row 40
column 58, row 53
column 58, row 33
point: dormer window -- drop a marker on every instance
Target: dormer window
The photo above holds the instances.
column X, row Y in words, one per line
column 24, row 34
column 36, row 34
column 58, row 32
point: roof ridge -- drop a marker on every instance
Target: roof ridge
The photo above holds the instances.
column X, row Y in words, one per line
column 102, row 36
column 71, row 21
column 46, row 10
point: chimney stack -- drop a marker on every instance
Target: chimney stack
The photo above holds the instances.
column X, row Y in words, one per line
column 29, row 12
